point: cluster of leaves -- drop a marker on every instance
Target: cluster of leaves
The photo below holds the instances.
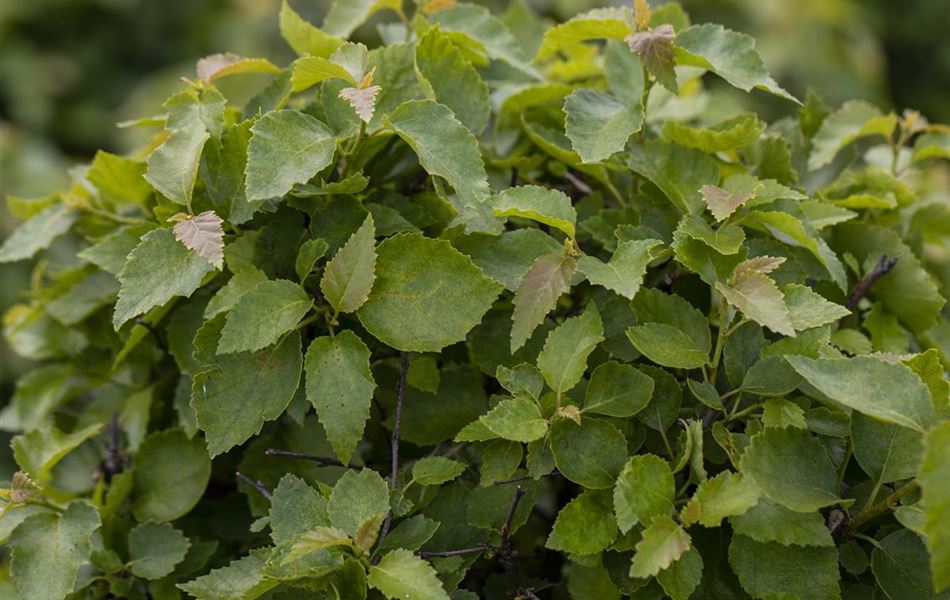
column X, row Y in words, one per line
column 565, row 332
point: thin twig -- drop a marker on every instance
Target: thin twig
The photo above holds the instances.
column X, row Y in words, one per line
column 524, row 478
column 506, row 527
column 394, row 442
column 461, row 552
column 320, row 460
column 578, row 183
column 882, row 268
column 257, row 485
column 884, row 505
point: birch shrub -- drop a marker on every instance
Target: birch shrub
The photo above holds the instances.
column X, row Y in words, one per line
column 492, row 310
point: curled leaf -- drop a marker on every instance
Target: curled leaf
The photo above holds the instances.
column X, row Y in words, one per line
column 203, row 234
column 363, row 100
column 655, row 49
column 220, row 65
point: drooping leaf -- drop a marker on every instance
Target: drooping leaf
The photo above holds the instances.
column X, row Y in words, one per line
column 346, row 15
column 304, row 37
column 216, row 66
column 854, row 120
column 731, row 135
column 551, row 207
column 38, row 233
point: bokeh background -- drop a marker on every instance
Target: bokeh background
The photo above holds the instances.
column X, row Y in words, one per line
column 71, row 69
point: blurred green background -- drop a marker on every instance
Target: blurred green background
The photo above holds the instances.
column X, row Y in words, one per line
column 71, row 69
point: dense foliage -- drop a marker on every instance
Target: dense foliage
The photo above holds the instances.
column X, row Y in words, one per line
column 566, row 330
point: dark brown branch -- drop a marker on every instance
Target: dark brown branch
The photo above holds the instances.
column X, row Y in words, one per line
column 320, row 460
column 882, row 268
column 506, row 527
column 394, row 442
column 257, row 485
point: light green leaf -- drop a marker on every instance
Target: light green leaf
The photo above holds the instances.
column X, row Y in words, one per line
column 668, row 346
column 757, row 296
column 726, row 495
column 678, row 172
column 446, row 149
column 624, row 272
column 507, row 257
column 598, row 124
column 310, row 252
column 348, row 277
column 663, row 542
column 304, row 37
column 585, row 525
column 563, row 359
column 356, row 497
column 537, row 294
column 887, row 391
column 119, row 179
column 157, row 270
column 792, row 468
column 38, row 233
column 854, row 120
column 934, row 481
column 48, row 549
column 769, row 521
column 263, row 315
column 316, row 539
column 295, row 509
column 192, row 119
column 518, row 419
column 733, row 134
column 287, row 147
column 779, row 412
column 401, row 575
column 645, row 489
column 39, row 450
column 155, row 549
column 486, row 34
column 242, row 579
column 346, row 15
column 770, row 570
column 617, row 390
column 436, row 470
column 728, row 54
column 308, row 71
column 597, row 24
column 427, row 294
column 591, row 454
column 340, row 386
column 216, row 66
column 551, row 207
column 452, row 80
column 808, row 309
column 265, row 382
column 727, row 239
column 170, row 475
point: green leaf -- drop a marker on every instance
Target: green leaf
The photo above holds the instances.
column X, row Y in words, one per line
column 727, row 239
column 808, row 309
column 263, row 315
column 727, row 494
column 563, row 359
column 346, row 15
column 402, row 575
column 265, row 382
column 518, row 419
column 507, row 257
column 681, row 578
column 39, row 450
column 667, row 346
column 887, row 391
column 171, row 473
column 119, row 179
column 436, row 470
column 348, row 277
column 792, row 468
column 311, row 70
column 203, row 234
column 48, row 549
column 591, row 454
column 410, row 534
column 678, row 172
column 599, row 124
column 310, row 252
column 655, row 49
column 886, row 452
column 617, row 390
column 768, row 521
column 447, row 149
column 624, row 272
column 537, row 294
column 356, row 497
column 756, row 294
column 242, row 578
column 216, row 66
column 155, row 549
column 934, row 478
column 900, row 566
column 157, row 270
column 770, row 570
column 672, row 330
column 295, row 509
column 451, row 79
column 733, row 134
column 287, row 147
column 427, row 294
column 855, row 119
column 645, row 489
column 340, row 386
column 551, row 207
column 585, row 525
column 663, row 542
column 38, row 233
column 486, row 33
column 597, row 24
column 192, row 119
column 728, row 54
column 304, row 37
